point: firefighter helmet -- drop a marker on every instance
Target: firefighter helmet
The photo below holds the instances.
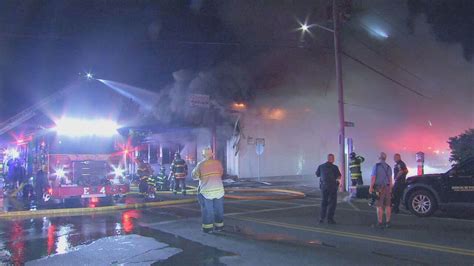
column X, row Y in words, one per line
column 207, row 153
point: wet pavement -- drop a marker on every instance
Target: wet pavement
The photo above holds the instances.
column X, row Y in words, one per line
column 32, row 239
column 264, row 232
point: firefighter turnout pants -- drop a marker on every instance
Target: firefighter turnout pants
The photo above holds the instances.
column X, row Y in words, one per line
column 212, row 212
column 180, row 183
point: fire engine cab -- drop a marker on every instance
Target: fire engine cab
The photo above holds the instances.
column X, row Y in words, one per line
column 84, row 161
column 86, row 176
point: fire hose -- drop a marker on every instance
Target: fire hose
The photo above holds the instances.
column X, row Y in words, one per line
column 283, row 194
column 287, row 194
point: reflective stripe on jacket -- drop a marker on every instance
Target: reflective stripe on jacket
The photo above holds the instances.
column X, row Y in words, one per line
column 179, row 168
column 209, row 172
column 354, row 167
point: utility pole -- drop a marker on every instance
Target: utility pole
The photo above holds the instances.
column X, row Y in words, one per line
column 340, row 90
column 214, row 132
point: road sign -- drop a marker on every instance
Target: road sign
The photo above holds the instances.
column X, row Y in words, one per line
column 260, row 146
column 349, row 124
column 199, row 100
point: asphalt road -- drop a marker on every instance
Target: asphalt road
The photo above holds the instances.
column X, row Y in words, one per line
column 256, row 233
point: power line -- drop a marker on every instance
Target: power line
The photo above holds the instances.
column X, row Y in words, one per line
column 384, row 75
column 384, row 57
column 239, row 44
column 365, row 106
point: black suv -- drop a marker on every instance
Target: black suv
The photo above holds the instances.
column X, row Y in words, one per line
column 425, row 193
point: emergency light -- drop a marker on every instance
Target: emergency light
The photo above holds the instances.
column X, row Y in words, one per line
column 73, row 127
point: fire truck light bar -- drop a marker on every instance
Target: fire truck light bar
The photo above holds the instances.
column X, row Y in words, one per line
column 78, row 127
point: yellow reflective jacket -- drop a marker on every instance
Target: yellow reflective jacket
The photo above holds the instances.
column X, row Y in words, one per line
column 209, row 173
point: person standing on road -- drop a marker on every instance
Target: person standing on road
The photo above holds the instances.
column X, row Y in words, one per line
column 381, row 183
column 400, row 172
column 41, row 182
column 329, row 182
column 179, row 170
column 209, row 172
column 355, row 169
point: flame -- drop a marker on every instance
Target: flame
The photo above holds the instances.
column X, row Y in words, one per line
column 239, row 106
column 274, row 113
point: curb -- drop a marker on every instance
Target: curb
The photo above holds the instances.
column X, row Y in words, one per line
column 80, row 211
column 290, row 194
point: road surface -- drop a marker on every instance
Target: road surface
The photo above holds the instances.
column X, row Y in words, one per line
column 256, row 233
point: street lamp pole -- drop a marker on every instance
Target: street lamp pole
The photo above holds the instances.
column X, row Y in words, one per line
column 340, row 90
column 339, row 84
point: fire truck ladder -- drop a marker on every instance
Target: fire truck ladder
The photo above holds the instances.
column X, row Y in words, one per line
column 31, row 111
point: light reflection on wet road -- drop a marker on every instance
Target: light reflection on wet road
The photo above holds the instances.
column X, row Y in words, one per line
column 23, row 240
column 30, row 239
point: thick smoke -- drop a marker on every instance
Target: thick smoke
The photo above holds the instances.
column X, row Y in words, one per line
column 224, row 83
column 388, row 117
column 450, row 20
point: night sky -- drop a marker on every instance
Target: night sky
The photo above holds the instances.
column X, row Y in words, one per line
column 45, row 44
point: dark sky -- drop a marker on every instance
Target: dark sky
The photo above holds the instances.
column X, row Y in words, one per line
column 44, row 44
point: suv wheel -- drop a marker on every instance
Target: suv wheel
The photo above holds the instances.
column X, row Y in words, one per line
column 422, row 203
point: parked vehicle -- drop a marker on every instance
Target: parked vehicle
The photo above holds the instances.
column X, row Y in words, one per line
column 424, row 194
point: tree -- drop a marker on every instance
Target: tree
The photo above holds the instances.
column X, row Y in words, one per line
column 462, row 146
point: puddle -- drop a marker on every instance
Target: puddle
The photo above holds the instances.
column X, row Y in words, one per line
column 193, row 253
column 30, row 239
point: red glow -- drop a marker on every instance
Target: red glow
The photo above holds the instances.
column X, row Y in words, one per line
column 17, row 243
column 51, row 231
column 50, row 191
column 94, row 200
column 127, row 220
column 22, row 140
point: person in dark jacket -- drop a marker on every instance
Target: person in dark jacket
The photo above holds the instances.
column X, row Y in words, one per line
column 179, row 171
column 329, row 182
column 355, row 169
column 41, row 182
column 400, row 172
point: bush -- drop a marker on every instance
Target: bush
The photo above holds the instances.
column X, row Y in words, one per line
column 462, row 146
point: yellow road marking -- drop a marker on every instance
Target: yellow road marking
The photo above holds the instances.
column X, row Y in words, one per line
column 269, row 210
column 82, row 211
column 421, row 245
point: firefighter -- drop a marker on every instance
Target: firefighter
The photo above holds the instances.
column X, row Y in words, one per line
column 162, row 179
column 210, row 192
column 41, row 182
column 179, row 171
column 355, row 169
column 151, row 182
column 144, row 171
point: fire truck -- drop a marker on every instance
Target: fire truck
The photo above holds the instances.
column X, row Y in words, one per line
column 91, row 177
column 86, row 168
column 91, row 167
column 78, row 158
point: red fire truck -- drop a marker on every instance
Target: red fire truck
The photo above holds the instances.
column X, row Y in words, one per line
column 92, row 177
column 80, row 157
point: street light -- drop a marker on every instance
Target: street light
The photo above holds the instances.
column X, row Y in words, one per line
column 89, row 76
column 304, row 27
